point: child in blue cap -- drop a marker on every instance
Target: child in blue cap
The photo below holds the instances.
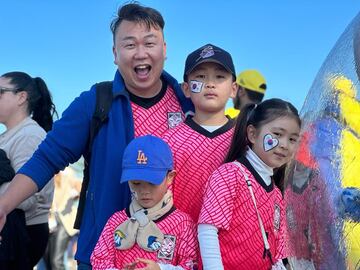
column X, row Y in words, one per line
column 151, row 232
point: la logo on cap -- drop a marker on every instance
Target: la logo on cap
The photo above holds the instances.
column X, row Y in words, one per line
column 141, row 158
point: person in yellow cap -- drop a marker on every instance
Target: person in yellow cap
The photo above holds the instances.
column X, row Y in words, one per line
column 251, row 89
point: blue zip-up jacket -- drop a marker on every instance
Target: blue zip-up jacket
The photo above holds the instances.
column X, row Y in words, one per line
column 66, row 142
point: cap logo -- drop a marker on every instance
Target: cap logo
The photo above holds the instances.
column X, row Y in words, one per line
column 141, row 158
column 207, row 52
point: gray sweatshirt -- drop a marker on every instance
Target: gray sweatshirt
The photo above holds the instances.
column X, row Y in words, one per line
column 19, row 143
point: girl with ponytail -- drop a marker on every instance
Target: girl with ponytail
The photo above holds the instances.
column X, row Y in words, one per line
column 27, row 110
column 241, row 224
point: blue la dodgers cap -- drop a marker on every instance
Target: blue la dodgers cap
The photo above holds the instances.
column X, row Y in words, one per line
column 147, row 158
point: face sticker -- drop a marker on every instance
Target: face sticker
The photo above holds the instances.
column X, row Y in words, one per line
column 133, row 194
column 196, row 86
column 270, row 142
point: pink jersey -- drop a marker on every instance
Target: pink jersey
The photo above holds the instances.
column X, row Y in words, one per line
column 298, row 207
column 229, row 207
column 163, row 112
column 308, row 213
column 197, row 153
column 179, row 247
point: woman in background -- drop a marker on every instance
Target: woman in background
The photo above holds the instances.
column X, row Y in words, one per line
column 26, row 110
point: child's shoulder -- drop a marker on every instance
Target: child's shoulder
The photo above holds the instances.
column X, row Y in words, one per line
column 117, row 218
column 231, row 168
column 180, row 218
column 230, row 173
column 182, row 215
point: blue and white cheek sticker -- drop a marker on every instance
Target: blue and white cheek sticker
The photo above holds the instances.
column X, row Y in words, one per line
column 133, row 194
column 196, row 86
column 270, row 142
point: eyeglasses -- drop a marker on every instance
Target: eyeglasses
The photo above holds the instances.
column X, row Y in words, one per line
column 3, row 90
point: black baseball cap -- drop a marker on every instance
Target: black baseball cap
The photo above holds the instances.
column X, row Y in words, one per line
column 209, row 53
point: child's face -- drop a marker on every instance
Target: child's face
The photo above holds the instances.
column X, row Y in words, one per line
column 275, row 142
column 147, row 194
column 210, row 86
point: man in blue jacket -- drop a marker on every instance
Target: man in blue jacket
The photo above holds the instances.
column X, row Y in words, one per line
column 147, row 100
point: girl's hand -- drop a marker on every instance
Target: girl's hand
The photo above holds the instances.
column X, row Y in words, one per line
column 150, row 265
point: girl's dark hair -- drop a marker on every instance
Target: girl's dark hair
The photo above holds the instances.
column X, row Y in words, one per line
column 40, row 105
column 134, row 12
column 259, row 115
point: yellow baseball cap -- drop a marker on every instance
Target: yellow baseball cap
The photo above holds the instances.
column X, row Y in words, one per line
column 253, row 80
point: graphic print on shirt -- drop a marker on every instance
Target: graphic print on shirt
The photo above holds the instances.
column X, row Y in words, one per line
column 167, row 249
column 153, row 243
column 290, row 218
column 277, row 217
column 174, row 119
column 118, row 236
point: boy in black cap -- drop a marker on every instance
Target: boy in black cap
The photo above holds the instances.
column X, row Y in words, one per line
column 151, row 232
column 200, row 143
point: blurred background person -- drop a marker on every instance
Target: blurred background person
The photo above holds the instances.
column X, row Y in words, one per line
column 62, row 218
column 26, row 110
column 13, row 252
column 251, row 89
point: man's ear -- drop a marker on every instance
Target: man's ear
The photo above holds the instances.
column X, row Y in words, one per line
column 251, row 133
column 186, row 89
column 164, row 50
column 170, row 177
column 115, row 55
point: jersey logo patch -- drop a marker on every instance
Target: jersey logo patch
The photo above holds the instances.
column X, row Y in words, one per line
column 277, row 217
column 174, row 119
column 290, row 218
column 167, row 248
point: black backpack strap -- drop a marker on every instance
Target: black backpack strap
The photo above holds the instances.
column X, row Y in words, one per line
column 104, row 98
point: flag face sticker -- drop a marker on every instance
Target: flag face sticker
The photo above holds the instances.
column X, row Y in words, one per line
column 196, row 86
column 270, row 142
